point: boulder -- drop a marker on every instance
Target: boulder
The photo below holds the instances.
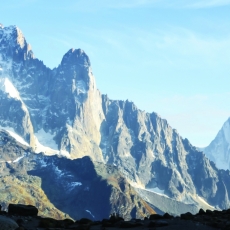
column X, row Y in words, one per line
column 209, row 212
column 186, row 216
column 115, row 218
column 84, row 221
column 22, row 210
column 67, row 222
column 155, row 217
column 48, row 223
column 201, row 212
column 167, row 216
column 7, row 223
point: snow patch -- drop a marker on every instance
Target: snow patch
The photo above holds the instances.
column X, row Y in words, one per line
column 64, row 153
column 90, row 213
column 44, row 142
column 200, row 200
column 15, row 135
column 58, row 172
column 44, row 149
column 8, row 87
column 43, row 164
column 18, row 159
column 81, row 87
column 72, row 185
column 157, row 191
column 46, row 139
column 76, row 184
column 14, row 161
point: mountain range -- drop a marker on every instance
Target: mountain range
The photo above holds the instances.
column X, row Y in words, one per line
column 64, row 124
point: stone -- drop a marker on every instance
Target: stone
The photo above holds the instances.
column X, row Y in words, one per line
column 7, row 223
column 228, row 211
column 186, row 216
column 115, row 218
column 209, row 212
column 22, row 210
column 85, row 221
column 3, row 212
column 20, row 222
column 167, row 216
column 48, row 223
column 67, row 222
column 155, row 217
column 201, row 212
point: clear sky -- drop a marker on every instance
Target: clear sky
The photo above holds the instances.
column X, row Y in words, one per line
column 170, row 57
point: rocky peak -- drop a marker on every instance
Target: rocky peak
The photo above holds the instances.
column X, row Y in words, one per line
column 13, row 44
column 76, row 57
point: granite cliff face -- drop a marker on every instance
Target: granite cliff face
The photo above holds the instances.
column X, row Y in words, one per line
column 61, row 112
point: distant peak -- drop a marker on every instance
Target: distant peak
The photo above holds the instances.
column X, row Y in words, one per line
column 76, row 56
column 1, row 26
column 77, row 51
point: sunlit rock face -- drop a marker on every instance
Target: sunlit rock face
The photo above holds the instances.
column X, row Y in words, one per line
column 61, row 112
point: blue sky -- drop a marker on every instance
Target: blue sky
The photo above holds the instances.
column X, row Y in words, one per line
column 170, row 57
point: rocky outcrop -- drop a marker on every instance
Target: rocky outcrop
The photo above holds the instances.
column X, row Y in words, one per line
column 202, row 220
column 62, row 188
column 22, row 210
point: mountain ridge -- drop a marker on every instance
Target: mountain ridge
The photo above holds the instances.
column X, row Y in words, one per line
column 65, row 105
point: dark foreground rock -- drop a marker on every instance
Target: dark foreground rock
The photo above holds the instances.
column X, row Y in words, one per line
column 22, row 210
column 7, row 223
column 18, row 218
